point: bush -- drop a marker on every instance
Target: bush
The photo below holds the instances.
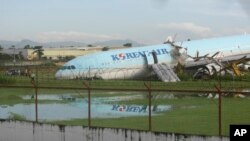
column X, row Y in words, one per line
column 48, row 63
column 7, row 79
column 185, row 77
column 14, row 116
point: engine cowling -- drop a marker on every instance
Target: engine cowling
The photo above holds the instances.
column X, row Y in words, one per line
column 208, row 71
column 245, row 67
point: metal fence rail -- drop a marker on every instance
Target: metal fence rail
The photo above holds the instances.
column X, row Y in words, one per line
column 150, row 104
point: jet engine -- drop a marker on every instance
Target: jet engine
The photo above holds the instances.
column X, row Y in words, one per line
column 245, row 67
column 207, row 71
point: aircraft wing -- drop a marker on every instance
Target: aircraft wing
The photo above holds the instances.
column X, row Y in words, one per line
column 224, row 60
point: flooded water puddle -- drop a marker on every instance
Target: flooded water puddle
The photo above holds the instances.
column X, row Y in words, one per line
column 101, row 107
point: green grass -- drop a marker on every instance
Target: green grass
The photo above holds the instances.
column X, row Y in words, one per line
column 201, row 119
column 46, row 78
column 131, row 84
column 12, row 96
column 7, row 80
column 14, row 116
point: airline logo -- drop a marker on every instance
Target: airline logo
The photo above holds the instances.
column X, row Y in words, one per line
column 121, row 56
column 130, row 108
column 132, row 55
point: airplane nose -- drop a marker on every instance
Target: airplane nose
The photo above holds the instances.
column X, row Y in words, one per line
column 58, row 74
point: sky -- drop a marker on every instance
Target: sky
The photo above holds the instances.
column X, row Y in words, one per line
column 145, row 21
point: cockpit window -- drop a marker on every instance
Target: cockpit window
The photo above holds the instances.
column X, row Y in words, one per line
column 73, row 67
column 63, row 68
column 68, row 67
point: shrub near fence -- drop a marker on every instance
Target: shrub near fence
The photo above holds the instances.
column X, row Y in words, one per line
column 7, row 80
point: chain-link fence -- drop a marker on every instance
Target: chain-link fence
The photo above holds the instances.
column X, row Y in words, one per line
column 190, row 106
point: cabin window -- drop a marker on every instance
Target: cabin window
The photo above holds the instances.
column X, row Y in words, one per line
column 63, row 68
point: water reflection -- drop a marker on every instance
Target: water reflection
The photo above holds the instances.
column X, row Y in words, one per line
column 101, row 107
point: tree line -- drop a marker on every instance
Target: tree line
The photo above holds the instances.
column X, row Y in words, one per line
column 37, row 50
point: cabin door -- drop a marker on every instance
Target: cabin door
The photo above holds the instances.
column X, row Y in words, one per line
column 152, row 58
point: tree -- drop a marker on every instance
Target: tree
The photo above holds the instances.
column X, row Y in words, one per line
column 27, row 47
column 1, row 48
column 14, row 53
column 67, row 58
column 106, row 48
column 39, row 51
column 4, row 56
column 12, row 47
column 60, row 57
column 90, row 45
column 20, row 55
column 127, row 45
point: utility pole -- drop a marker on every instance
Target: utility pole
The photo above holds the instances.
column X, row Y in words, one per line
column 14, row 55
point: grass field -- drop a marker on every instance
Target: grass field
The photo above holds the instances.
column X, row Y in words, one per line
column 227, row 85
column 45, row 78
column 190, row 114
column 202, row 120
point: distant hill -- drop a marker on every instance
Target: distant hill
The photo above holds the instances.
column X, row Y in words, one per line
column 22, row 43
column 118, row 43
column 6, row 44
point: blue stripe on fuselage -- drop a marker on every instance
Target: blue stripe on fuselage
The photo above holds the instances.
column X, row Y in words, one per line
column 132, row 55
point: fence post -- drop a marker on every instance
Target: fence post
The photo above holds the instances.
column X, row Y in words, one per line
column 36, row 98
column 219, row 108
column 89, row 102
column 149, row 106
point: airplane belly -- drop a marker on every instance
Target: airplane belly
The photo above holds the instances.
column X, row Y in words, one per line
column 125, row 73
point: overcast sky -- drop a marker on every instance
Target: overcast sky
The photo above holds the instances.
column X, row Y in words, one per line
column 145, row 21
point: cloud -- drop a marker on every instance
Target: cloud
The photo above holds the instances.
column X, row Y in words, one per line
column 235, row 31
column 231, row 8
column 194, row 31
column 245, row 4
column 186, row 27
column 159, row 3
column 73, row 36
